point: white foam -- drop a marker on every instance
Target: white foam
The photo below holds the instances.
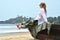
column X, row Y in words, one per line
column 4, row 29
column 8, row 27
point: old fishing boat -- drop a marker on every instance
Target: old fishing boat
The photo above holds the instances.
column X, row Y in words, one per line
column 45, row 31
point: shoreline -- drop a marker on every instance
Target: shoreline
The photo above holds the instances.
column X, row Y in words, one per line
column 16, row 36
column 13, row 33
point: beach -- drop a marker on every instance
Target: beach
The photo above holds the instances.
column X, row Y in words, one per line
column 11, row 32
column 16, row 36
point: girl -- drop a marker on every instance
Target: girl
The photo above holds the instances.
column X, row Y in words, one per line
column 42, row 17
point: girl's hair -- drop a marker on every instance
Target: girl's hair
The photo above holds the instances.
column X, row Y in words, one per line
column 43, row 5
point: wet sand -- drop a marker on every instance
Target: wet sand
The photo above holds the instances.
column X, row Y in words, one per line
column 16, row 36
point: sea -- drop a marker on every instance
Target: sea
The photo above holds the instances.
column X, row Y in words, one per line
column 11, row 28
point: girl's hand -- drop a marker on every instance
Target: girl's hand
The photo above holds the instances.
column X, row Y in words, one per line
column 18, row 25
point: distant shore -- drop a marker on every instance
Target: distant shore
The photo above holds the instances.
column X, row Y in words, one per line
column 16, row 36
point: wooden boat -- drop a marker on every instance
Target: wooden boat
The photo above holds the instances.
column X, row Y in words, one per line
column 54, row 32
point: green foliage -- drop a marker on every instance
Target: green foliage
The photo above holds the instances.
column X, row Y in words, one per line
column 54, row 19
column 19, row 19
column 14, row 20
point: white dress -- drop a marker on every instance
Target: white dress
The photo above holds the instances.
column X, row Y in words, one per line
column 41, row 17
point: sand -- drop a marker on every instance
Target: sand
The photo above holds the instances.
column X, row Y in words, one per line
column 16, row 36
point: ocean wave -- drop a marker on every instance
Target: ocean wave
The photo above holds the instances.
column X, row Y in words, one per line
column 10, row 29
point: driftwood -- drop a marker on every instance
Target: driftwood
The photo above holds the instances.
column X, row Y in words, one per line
column 54, row 33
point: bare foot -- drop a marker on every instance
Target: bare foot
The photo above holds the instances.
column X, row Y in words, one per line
column 18, row 25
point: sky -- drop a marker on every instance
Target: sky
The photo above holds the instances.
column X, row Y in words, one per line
column 13, row 8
